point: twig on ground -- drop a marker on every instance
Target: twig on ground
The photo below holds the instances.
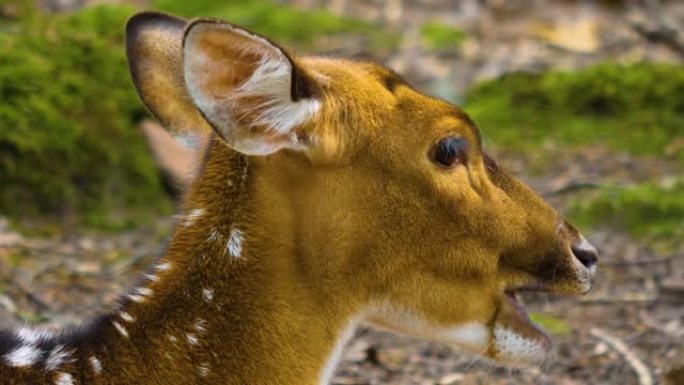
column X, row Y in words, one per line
column 625, row 298
column 643, row 374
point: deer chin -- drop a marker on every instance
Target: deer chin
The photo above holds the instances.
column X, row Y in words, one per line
column 515, row 339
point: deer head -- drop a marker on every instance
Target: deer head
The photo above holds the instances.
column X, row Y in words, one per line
column 331, row 193
column 384, row 195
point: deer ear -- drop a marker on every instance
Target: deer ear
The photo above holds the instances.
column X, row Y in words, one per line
column 247, row 88
column 154, row 49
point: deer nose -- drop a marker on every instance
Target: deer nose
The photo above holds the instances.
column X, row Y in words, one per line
column 586, row 253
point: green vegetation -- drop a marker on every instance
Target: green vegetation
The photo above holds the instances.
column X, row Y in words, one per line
column 69, row 143
column 550, row 323
column 439, row 36
column 646, row 210
column 637, row 108
column 282, row 23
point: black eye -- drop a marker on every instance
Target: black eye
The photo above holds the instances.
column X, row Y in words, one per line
column 450, row 151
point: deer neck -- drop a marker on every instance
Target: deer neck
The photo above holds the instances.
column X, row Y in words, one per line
column 232, row 299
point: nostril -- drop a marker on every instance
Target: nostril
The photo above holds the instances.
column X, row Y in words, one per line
column 586, row 254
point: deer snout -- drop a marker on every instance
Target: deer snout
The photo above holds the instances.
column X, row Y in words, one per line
column 586, row 254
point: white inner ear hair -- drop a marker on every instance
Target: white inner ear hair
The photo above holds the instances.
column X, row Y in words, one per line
column 270, row 84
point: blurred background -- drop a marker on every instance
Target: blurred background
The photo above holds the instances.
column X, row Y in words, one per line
column 584, row 100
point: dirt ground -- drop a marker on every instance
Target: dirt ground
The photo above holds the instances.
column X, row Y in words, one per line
column 639, row 295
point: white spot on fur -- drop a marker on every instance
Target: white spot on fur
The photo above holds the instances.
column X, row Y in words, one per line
column 192, row 339
column 126, row 317
column 138, row 295
column 95, row 364
column 144, row 291
column 163, row 266
column 172, row 338
column 120, row 328
column 472, row 334
column 203, row 370
column 58, row 356
column 200, row 325
column 64, row 379
column 512, row 344
column 234, row 245
column 192, row 217
column 136, row 298
column 24, row 355
column 151, row 277
column 208, row 294
column 214, row 235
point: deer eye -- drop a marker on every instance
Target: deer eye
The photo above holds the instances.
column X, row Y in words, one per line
column 450, row 151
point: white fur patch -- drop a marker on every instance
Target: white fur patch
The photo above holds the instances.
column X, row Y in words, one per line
column 200, row 325
column 208, row 294
column 57, row 357
column 126, row 317
column 203, row 369
column 509, row 343
column 95, row 364
column 24, row 355
column 214, row 235
column 192, row 217
column 234, row 245
column 192, row 339
column 172, row 338
column 151, row 277
column 31, row 335
column 120, row 328
column 471, row 334
column 163, row 266
column 139, row 294
column 64, row 379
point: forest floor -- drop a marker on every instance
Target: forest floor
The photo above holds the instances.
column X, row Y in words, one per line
column 639, row 293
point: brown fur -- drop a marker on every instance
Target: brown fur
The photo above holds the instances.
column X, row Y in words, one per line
column 361, row 223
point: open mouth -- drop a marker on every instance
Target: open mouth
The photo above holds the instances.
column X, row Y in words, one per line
column 515, row 338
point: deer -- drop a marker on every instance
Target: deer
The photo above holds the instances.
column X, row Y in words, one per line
column 331, row 193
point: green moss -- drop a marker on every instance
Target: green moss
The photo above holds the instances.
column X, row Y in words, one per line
column 550, row 323
column 280, row 22
column 439, row 36
column 646, row 210
column 69, row 142
column 637, row 108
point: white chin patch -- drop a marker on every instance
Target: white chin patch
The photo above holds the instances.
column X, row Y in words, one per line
column 514, row 347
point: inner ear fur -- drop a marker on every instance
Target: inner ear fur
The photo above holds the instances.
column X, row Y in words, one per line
column 154, row 49
column 248, row 88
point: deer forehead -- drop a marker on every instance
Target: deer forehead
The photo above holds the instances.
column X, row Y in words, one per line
column 364, row 102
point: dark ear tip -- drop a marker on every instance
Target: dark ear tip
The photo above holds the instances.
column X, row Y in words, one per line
column 146, row 19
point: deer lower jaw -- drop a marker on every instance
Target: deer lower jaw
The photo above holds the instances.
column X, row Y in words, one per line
column 515, row 339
